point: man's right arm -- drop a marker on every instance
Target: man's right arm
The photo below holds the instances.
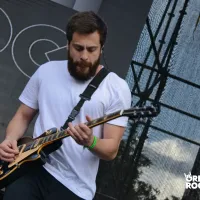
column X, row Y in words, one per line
column 15, row 130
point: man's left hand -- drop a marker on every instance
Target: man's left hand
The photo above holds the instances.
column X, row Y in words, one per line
column 81, row 133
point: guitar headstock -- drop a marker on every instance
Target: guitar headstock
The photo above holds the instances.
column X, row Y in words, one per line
column 142, row 112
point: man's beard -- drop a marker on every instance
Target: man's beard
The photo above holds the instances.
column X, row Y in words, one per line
column 82, row 70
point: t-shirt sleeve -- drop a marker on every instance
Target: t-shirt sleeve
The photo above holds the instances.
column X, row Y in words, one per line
column 29, row 95
column 120, row 100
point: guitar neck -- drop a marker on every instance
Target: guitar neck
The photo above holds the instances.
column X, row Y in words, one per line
column 134, row 113
column 104, row 119
column 62, row 134
column 93, row 123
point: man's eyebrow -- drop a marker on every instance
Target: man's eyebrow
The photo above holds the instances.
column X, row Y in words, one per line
column 79, row 45
column 91, row 47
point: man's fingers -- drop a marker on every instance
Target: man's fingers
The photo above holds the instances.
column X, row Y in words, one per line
column 74, row 133
column 8, row 149
column 6, row 155
column 84, row 128
column 88, row 118
column 7, row 159
column 81, row 133
column 14, row 146
column 71, row 134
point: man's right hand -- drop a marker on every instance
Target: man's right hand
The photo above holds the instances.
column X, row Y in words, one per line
column 8, row 150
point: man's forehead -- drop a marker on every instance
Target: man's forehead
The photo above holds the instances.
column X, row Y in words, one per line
column 86, row 39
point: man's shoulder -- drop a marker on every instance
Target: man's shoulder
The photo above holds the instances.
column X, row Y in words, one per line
column 117, row 82
column 52, row 65
column 114, row 76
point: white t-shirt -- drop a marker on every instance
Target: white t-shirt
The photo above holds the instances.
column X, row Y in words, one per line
column 55, row 92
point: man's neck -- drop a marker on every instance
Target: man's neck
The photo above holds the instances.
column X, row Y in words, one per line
column 98, row 69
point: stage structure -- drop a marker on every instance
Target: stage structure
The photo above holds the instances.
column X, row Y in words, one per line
column 155, row 156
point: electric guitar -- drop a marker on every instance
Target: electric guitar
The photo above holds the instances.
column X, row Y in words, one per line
column 33, row 152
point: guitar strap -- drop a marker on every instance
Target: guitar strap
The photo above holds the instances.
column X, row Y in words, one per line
column 86, row 95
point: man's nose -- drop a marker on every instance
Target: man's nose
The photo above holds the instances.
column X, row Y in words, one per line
column 84, row 55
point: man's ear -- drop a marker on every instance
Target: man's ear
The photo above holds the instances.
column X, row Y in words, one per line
column 67, row 46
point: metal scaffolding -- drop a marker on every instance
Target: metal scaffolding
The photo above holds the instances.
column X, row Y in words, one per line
column 120, row 177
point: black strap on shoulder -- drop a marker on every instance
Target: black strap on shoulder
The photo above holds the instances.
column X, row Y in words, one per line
column 86, row 95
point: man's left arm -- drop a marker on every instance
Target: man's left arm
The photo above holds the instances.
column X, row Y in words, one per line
column 105, row 148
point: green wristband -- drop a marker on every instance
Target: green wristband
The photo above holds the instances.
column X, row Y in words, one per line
column 93, row 143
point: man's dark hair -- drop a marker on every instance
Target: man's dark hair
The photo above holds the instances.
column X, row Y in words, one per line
column 86, row 23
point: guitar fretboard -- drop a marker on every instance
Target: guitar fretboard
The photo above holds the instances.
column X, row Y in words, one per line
column 134, row 113
column 62, row 134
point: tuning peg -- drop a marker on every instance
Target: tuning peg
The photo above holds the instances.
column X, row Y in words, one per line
column 134, row 113
column 156, row 107
column 149, row 112
column 142, row 119
column 133, row 120
column 142, row 113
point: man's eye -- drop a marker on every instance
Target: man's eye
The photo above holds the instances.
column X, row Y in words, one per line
column 79, row 48
column 91, row 49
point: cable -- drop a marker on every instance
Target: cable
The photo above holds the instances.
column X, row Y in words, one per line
column 104, row 59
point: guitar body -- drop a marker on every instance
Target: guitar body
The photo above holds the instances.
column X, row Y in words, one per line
column 8, row 175
column 9, row 172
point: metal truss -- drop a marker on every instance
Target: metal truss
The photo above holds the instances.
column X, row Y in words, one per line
column 159, row 72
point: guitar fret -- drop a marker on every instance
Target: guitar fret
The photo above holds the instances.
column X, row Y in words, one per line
column 28, row 145
column 32, row 145
column 63, row 134
column 45, row 139
column 36, row 142
column 48, row 138
column 95, row 121
column 103, row 119
column 59, row 135
column 51, row 137
column 40, row 141
column 106, row 117
column 20, row 147
column 54, row 137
